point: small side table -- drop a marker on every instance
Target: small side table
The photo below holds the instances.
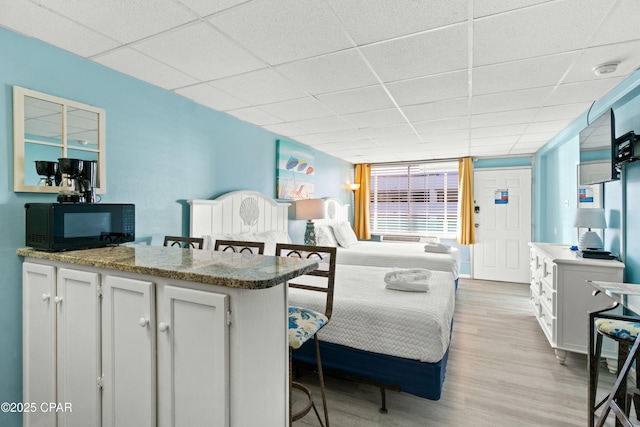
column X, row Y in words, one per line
column 627, row 295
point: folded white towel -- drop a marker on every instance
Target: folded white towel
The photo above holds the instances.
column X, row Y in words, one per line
column 413, row 280
column 437, row 247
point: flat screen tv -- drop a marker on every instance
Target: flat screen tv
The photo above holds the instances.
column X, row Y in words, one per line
column 596, row 151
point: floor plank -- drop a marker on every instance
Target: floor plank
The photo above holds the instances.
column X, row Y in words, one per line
column 501, row 372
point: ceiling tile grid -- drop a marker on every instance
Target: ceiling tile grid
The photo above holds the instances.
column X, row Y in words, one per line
column 363, row 80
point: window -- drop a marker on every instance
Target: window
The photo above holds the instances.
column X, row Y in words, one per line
column 415, row 198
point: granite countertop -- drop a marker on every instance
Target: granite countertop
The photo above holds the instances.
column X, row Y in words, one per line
column 232, row 270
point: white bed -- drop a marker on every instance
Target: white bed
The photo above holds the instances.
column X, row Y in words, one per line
column 369, row 317
column 400, row 255
column 366, row 352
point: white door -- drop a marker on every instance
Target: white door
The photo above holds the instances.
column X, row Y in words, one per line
column 38, row 341
column 78, row 329
column 193, row 358
column 129, row 353
column 503, row 224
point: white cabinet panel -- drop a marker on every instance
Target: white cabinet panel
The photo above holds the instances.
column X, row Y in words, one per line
column 193, row 357
column 39, row 341
column 129, row 352
column 78, row 347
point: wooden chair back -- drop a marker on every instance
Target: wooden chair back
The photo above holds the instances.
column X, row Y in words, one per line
column 256, row 248
column 184, row 242
column 326, row 256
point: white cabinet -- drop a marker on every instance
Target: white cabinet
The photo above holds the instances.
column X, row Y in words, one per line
column 129, row 352
column 142, row 350
column 61, row 346
column 193, row 357
column 562, row 299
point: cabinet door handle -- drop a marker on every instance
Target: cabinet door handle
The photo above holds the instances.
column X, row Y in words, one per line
column 143, row 322
column 57, row 300
column 163, row 327
column 45, row 297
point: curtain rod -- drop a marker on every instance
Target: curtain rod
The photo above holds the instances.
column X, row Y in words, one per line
column 450, row 160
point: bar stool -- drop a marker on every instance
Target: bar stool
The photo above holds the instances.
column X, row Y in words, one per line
column 304, row 323
column 184, row 242
column 624, row 332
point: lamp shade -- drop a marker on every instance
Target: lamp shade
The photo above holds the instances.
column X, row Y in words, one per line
column 353, row 187
column 310, row 209
column 590, row 218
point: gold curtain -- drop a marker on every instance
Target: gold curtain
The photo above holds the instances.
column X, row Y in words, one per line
column 361, row 202
column 466, row 234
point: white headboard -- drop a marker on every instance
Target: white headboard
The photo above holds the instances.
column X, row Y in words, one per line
column 241, row 211
column 334, row 212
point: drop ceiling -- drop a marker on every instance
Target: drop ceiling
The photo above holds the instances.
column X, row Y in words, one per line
column 363, row 80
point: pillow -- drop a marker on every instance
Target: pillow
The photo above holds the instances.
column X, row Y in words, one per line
column 344, row 234
column 325, row 237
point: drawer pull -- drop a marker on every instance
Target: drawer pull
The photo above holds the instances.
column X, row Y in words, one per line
column 143, row 322
column 163, row 327
column 57, row 300
column 45, row 297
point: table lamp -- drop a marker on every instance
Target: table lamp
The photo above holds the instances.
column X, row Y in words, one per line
column 590, row 218
column 310, row 209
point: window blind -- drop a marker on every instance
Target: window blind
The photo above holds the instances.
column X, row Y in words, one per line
column 415, row 198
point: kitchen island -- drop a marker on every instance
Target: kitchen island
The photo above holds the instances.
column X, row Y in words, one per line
column 154, row 336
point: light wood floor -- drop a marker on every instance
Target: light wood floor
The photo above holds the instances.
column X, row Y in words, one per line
column 501, row 372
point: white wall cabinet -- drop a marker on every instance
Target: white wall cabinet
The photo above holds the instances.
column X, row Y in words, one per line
column 61, row 346
column 151, row 351
column 562, row 299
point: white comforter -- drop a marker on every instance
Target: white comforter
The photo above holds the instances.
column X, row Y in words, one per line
column 366, row 316
column 399, row 255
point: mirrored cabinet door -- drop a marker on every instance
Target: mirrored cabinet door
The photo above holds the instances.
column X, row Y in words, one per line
column 47, row 128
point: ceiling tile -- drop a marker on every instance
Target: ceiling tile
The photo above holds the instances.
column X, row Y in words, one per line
column 281, row 31
column 429, row 89
column 446, row 137
column 330, row 73
column 374, row 20
column 498, row 131
column 254, row 115
column 626, row 54
column 437, row 110
column 503, row 118
column 524, row 74
column 323, row 124
column 211, row 97
column 536, row 137
column 142, row 67
column 208, row 7
column 407, row 57
column 357, row 100
column 509, row 101
column 582, row 91
column 565, row 111
column 297, row 109
column 549, row 126
column 441, row 125
column 41, row 23
column 485, row 8
column 125, row 21
column 389, row 131
column 259, row 87
column 199, row 51
column 347, row 137
column 621, row 25
column 395, row 140
column 536, row 31
column 389, row 116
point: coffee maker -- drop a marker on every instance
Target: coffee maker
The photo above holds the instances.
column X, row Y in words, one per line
column 79, row 180
column 48, row 172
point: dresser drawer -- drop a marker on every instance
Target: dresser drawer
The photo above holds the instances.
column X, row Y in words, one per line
column 548, row 298
column 549, row 273
column 534, row 299
column 548, row 323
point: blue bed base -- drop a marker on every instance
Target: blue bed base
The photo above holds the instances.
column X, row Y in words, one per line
column 387, row 372
column 410, row 376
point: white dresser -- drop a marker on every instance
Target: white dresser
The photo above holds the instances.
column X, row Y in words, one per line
column 562, row 299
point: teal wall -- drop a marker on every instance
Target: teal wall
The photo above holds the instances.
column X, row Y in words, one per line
column 555, row 182
column 162, row 149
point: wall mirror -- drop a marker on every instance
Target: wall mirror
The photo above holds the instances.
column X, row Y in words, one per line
column 46, row 128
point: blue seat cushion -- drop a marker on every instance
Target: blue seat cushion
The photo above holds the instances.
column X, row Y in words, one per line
column 303, row 325
column 621, row 329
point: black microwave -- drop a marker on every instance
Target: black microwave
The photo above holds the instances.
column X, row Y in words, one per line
column 70, row 226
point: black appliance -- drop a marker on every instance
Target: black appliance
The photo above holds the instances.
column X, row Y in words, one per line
column 70, row 226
